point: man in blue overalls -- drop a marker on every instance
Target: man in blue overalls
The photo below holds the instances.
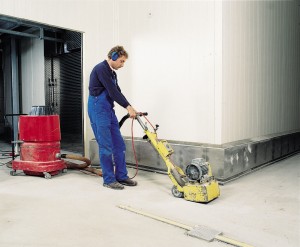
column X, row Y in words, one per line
column 104, row 90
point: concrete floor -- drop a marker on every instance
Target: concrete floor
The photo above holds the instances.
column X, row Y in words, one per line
column 74, row 209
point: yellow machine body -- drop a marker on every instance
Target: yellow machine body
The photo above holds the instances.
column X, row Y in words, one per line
column 205, row 190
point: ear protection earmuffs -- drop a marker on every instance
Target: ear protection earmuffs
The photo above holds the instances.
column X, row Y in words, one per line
column 114, row 56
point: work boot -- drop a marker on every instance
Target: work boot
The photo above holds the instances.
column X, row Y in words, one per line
column 114, row 186
column 128, row 182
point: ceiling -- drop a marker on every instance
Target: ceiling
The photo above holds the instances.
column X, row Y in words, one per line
column 10, row 26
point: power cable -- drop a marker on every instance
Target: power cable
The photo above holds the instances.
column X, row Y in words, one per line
column 132, row 143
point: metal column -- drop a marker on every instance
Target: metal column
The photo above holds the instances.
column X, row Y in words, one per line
column 14, row 87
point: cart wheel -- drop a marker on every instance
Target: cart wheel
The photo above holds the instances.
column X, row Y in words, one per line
column 64, row 170
column 13, row 173
column 176, row 193
column 47, row 175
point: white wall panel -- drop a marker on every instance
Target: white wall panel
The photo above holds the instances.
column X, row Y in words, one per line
column 171, row 44
column 260, row 68
column 170, row 72
column 206, row 71
column 32, row 73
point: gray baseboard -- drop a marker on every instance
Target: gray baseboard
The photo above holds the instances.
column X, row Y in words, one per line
column 228, row 161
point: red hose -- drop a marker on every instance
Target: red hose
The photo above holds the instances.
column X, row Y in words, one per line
column 132, row 143
column 134, row 153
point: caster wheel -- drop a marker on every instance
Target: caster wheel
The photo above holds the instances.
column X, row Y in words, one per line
column 176, row 193
column 64, row 171
column 47, row 175
column 13, row 173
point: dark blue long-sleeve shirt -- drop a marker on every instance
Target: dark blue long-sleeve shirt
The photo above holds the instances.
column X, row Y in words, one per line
column 104, row 78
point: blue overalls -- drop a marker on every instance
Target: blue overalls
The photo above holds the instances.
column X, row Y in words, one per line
column 110, row 141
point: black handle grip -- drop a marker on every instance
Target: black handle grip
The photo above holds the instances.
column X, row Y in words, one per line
column 142, row 113
column 127, row 116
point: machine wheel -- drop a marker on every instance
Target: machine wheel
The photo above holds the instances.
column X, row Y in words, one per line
column 176, row 193
column 47, row 175
column 13, row 173
column 64, row 170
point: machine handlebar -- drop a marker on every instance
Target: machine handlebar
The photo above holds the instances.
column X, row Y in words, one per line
column 127, row 116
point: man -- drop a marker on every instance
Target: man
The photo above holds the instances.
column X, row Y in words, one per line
column 104, row 91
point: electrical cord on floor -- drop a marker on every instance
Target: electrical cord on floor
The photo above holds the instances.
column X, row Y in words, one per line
column 88, row 173
column 5, row 155
column 8, row 163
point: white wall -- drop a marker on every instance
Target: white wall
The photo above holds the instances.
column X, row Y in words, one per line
column 172, row 47
column 261, row 75
column 32, row 73
column 206, row 71
column 171, row 69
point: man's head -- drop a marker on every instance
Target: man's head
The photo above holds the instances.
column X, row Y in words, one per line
column 117, row 57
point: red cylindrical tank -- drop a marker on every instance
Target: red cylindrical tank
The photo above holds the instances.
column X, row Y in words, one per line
column 41, row 142
column 39, row 128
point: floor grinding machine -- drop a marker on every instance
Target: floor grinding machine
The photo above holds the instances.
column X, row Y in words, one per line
column 39, row 139
column 197, row 184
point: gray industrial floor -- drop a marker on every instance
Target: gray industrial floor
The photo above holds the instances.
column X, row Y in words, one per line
column 74, row 209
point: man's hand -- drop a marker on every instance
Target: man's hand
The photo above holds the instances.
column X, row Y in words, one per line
column 131, row 111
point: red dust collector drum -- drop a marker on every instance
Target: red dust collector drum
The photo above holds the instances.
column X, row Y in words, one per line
column 40, row 137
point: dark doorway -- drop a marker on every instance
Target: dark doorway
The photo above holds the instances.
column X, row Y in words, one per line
column 63, row 74
column 62, row 83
